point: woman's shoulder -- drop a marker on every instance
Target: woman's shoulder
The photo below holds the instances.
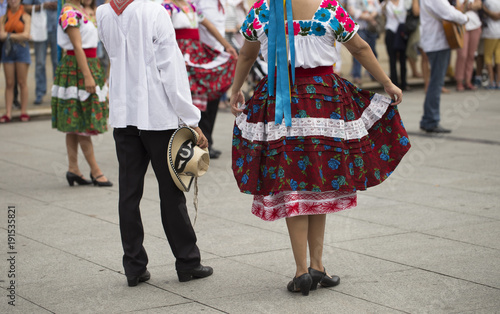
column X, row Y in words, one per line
column 71, row 16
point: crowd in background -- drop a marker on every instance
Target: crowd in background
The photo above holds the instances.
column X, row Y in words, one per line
column 394, row 21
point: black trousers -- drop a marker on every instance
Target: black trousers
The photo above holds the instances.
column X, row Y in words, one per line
column 207, row 120
column 396, row 55
column 135, row 149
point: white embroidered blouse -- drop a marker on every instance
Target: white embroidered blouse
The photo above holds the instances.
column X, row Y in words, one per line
column 183, row 17
column 314, row 39
column 72, row 17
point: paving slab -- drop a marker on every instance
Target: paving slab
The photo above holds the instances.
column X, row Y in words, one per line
column 419, row 291
column 280, row 300
column 409, row 216
column 443, row 256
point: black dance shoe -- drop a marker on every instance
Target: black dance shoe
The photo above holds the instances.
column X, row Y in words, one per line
column 301, row 284
column 197, row 272
column 214, row 153
column 134, row 280
column 72, row 178
column 323, row 279
column 99, row 183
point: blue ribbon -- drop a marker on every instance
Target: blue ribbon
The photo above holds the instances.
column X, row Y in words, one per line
column 278, row 59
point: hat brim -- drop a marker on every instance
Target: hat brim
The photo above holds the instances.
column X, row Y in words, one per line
column 197, row 161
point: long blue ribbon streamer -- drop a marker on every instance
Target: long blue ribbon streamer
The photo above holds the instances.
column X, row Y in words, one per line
column 279, row 53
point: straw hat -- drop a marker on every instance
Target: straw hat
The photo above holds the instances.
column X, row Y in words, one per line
column 186, row 160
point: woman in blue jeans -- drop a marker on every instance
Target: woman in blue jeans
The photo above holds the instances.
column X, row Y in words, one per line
column 15, row 32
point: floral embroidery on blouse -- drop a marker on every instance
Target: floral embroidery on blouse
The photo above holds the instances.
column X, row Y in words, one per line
column 71, row 17
column 171, row 7
column 330, row 14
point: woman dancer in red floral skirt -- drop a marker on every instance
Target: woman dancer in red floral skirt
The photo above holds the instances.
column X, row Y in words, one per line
column 305, row 149
column 210, row 71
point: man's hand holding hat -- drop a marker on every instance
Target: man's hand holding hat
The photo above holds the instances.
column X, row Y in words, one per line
column 202, row 140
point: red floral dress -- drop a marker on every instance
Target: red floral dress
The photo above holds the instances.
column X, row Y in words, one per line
column 342, row 139
column 210, row 71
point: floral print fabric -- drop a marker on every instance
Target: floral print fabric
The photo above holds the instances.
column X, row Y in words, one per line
column 330, row 17
column 70, row 112
column 362, row 150
column 343, row 139
column 210, row 71
column 180, row 15
column 71, row 17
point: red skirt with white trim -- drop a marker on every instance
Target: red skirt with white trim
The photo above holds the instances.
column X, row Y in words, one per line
column 210, row 71
column 342, row 140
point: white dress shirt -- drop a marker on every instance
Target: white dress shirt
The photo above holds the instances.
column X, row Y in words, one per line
column 148, row 82
column 432, row 12
column 210, row 9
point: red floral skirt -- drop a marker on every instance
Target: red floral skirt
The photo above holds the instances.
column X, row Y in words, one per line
column 342, row 140
column 210, row 71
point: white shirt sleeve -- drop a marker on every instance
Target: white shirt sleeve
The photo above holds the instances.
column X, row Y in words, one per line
column 445, row 11
column 173, row 73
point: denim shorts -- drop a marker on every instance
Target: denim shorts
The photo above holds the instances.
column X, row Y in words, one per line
column 17, row 54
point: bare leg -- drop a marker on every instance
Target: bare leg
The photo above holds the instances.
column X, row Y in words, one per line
column 298, row 232
column 491, row 75
column 9, row 71
column 22, row 78
column 72, row 148
column 315, row 238
column 88, row 152
column 413, row 66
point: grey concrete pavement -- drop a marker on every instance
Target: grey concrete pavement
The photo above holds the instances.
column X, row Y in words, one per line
column 425, row 241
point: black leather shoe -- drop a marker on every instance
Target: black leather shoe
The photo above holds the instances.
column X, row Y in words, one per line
column 214, row 153
column 134, row 280
column 99, row 183
column 195, row 273
column 437, row 129
column 323, row 279
column 72, row 178
column 301, row 284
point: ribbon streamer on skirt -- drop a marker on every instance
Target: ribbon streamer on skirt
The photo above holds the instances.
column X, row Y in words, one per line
column 278, row 59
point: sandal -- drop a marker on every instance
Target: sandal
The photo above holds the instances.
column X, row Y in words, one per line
column 24, row 117
column 4, row 119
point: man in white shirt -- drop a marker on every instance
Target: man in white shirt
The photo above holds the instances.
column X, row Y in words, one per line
column 433, row 42
column 149, row 97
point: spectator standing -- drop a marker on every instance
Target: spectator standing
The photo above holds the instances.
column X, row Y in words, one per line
column 15, row 32
column 365, row 13
column 433, row 42
column 465, row 55
column 395, row 12
column 3, row 10
column 50, row 7
column 491, row 34
column 236, row 12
